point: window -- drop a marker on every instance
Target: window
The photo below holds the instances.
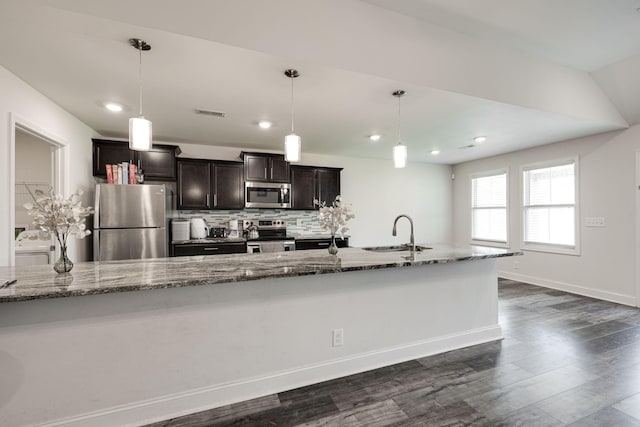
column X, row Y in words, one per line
column 489, row 206
column 550, row 205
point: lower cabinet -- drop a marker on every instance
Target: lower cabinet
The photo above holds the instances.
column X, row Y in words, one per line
column 305, row 244
column 187, row 249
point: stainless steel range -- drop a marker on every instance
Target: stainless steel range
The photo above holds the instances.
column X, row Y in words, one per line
column 267, row 236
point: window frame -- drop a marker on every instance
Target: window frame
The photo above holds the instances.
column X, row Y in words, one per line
column 483, row 174
column 551, row 247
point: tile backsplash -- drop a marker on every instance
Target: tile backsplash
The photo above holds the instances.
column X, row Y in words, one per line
column 298, row 222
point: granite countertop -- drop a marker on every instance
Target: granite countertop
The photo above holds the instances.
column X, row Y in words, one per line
column 88, row 278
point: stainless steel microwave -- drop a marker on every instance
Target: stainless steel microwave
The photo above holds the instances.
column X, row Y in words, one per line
column 275, row 195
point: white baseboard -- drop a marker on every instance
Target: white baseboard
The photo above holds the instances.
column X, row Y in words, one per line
column 574, row 289
column 192, row 401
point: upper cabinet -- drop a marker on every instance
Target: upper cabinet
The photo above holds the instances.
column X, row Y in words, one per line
column 206, row 184
column 159, row 163
column 265, row 167
column 228, row 185
column 194, row 184
column 328, row 184
column 310, row 182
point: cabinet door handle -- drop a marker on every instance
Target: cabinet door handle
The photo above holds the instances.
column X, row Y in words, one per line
column 211, row 249
column 265, row 173
column 180, row 199
column 215, row 200
column 208, row 201
column 323, row 243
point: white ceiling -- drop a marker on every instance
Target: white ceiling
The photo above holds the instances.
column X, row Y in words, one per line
column 517, row 76
column 582, row 34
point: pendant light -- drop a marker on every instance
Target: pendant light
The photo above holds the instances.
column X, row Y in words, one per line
column 292, row 142
column 400, row 150
column 139, row 127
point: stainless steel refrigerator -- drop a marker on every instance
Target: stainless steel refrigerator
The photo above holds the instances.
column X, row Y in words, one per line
column 130, row 222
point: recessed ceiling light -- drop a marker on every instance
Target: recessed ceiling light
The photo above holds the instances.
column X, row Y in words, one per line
column 112, row 106
column 435, row 152
column 375, row 137
column 264, row 124
column 480, row 139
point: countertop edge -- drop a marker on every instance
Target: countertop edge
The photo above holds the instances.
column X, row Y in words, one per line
column 60, row 292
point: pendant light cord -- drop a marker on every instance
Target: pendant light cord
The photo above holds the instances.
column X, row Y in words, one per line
column 399, row 140
column 292, row 105
column 140, row 74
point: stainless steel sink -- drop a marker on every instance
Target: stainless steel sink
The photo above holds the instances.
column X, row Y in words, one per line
column 399, row 248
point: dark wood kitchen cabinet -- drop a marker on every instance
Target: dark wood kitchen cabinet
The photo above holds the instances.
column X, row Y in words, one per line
column 303, row 187
column 311, row 182
column 159, row 163
column 204, row 184
column 265, row 167
column 304, row 244
column 228, row 185
column 217, row 248
column 194, row 184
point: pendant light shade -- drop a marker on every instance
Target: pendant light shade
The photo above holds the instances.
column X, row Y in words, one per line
column 400, row 150
column 400, row 155
column 292, row 147
column 140, row 136
column 292, row 142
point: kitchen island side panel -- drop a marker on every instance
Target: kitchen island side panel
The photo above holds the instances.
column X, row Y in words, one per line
column 135, row 357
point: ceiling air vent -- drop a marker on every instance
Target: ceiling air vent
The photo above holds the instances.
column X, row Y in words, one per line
column 464, row 147
column 220, row 114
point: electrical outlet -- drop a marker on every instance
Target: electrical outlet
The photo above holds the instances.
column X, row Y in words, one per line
column 299, row 222
column 594, row 222
column 338, row 337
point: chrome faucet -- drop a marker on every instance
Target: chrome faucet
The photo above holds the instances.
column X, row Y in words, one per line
column 395, row 233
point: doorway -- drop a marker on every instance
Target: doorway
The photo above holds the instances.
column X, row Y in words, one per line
column 36, row 163
column 33, row 171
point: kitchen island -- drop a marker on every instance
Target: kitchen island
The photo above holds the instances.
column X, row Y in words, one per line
column 128, row 342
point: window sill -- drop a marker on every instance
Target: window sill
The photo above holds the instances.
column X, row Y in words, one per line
column 490, row 243
column 559, row 250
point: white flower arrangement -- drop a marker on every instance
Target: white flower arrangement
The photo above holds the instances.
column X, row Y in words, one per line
column 334, row 218
column 54, row 214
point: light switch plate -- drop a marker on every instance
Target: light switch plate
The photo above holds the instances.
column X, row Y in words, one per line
column 594, row 222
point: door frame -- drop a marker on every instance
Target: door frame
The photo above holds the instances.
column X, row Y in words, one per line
column 637, row 224
column 60, row 174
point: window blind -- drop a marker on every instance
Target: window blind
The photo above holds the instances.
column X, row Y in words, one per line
column 489, row 207
column 549, row 205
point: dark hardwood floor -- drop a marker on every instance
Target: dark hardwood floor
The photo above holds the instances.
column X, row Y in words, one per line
column 565, row 360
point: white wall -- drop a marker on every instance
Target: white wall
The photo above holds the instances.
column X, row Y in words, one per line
column 33, row 110
column 378, row 193
column 605, row 267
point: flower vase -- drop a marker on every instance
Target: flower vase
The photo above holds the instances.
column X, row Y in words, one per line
column 333, row 248
column 63, row 264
